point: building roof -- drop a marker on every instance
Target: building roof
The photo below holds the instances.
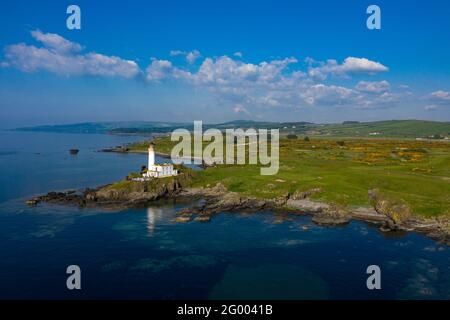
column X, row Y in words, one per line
column 163, row 165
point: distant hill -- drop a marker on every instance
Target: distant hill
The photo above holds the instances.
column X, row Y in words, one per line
column 388, row 129
column 102, row 127
column 392, row 128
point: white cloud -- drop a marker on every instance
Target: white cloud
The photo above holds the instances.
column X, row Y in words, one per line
column 380, row 100
column 321, row 94
column 351, row 65
column 431, row 107
column 373, row 87
column 272, row 84
column 191, row 56
column 239, row 109
column 238, row 54
column 174, row 53
column 55, row 42
column 240, row 85
column 437, row 100
column 442, row 96
column 159, row 70
column 226, row 71
column 63, row 57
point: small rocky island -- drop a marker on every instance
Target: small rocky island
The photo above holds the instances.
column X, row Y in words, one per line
column 74, row 151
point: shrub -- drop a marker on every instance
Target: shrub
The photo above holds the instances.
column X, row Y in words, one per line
column 133, row 175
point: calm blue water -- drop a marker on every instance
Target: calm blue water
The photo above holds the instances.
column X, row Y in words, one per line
column 142, row 253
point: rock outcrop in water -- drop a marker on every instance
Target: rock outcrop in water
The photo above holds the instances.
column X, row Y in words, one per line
column 332, row 215
column 126, row 193
column 398, row 217
column 219, row 199
column 396, row 212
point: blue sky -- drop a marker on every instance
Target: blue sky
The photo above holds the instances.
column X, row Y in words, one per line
column 222, row 60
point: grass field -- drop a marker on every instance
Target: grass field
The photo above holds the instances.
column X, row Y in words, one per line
column 417, row 172
column 387, row 129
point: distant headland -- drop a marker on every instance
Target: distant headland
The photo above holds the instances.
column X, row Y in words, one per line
column 411, row 129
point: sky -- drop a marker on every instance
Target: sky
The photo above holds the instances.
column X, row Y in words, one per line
column 218, row 61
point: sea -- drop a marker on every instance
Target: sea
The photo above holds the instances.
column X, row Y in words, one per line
column 142, row 253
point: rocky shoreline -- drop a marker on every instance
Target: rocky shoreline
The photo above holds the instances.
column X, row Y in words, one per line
column 217, row 199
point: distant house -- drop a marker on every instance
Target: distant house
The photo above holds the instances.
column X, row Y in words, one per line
column 158, row 170
column 375, row 133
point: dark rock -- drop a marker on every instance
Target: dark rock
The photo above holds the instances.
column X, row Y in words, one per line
column 325, row 220
column 300, row 195
column 397, row 212
column 33, row 201
column 182, row 219
column 203, row 218
column 333, row 215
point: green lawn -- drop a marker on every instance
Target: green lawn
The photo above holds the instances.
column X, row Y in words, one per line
column 417, row 172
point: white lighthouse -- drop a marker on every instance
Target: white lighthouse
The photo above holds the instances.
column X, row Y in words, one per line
column 151, row 157
column 158, row 170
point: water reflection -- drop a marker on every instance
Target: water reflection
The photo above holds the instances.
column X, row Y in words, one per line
column 153, row 215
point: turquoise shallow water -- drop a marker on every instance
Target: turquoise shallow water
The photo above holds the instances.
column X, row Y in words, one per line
column 143, row 253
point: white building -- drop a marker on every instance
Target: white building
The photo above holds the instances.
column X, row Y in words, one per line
column 158, row 170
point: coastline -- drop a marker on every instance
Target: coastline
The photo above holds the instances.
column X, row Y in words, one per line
column 124, row 149
column 218, row 199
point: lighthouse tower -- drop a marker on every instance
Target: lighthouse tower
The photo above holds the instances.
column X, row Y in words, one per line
column 157, row 170
column 151, row 157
